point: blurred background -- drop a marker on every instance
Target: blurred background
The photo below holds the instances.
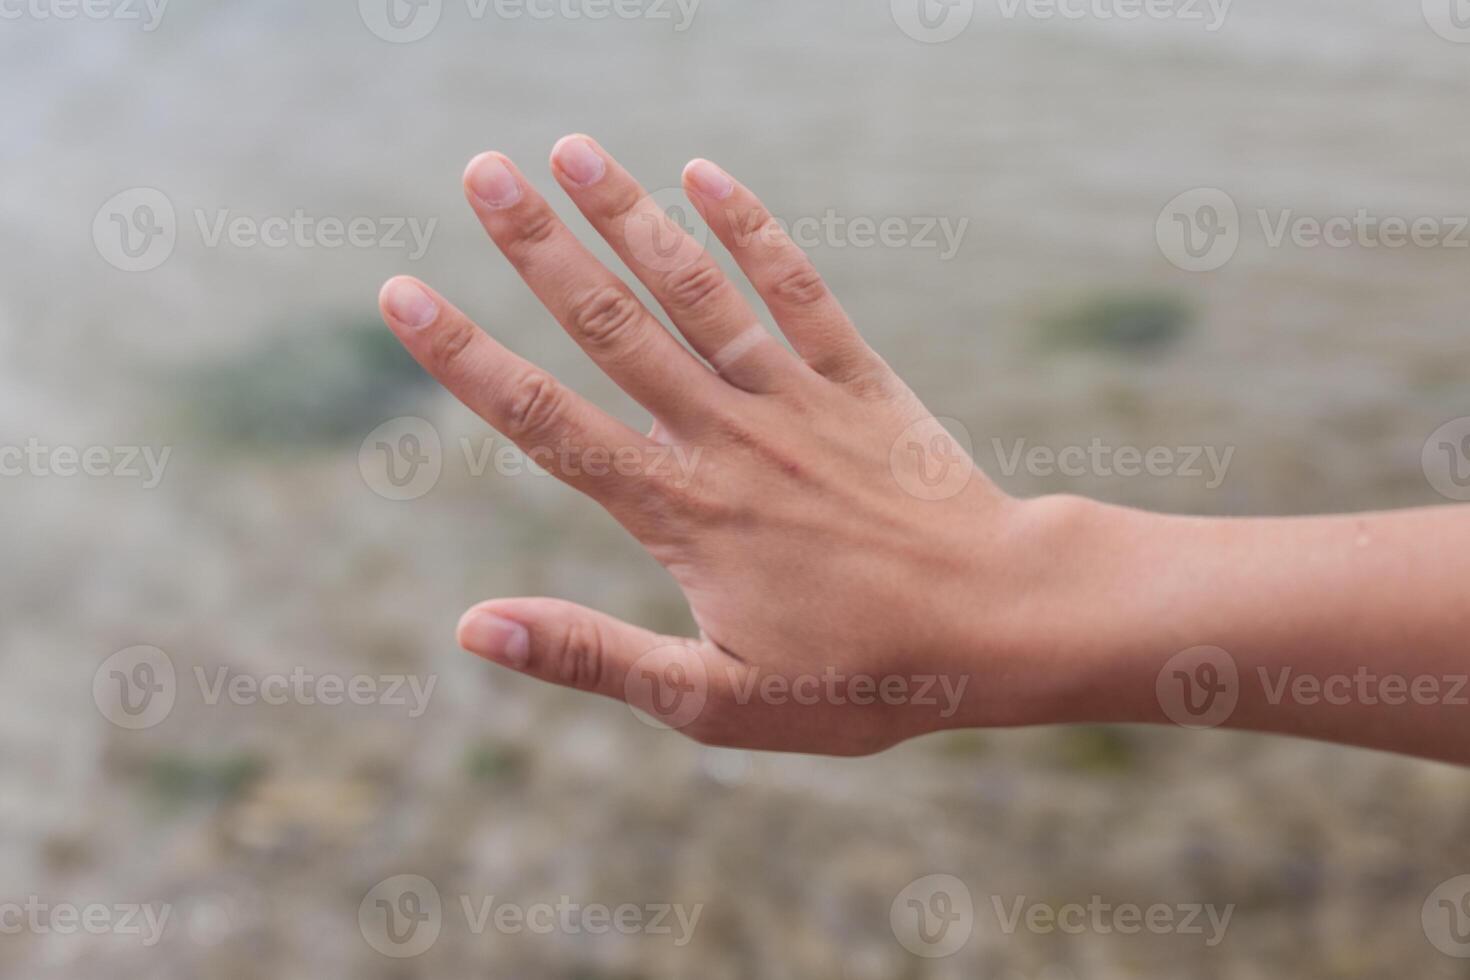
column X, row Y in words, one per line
column 232, row 705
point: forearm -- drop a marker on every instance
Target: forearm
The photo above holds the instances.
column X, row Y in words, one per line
column 1350, row 628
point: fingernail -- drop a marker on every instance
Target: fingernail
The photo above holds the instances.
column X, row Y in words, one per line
column 492, row 182
column 493, row 638
column 576, row 158
column 407, row 303
column 710, row 180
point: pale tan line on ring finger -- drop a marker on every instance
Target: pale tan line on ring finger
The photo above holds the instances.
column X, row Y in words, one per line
column 682, row 277
column 784, row 277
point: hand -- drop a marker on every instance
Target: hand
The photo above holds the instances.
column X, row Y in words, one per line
column 855, row 579
column 847, row 565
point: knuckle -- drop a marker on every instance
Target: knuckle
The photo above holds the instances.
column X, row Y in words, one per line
column 695, row 509
column 691, row 287
column 675, row 516
column 534, row 228
column 663, row 505
column 798, row 283
column 580, row 657
column 765, row 230
column 450, row 341
column 865, row 383
column 623, row 202
column 604, row 317
column 536, row 405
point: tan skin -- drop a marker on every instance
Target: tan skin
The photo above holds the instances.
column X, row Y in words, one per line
column 853, row 586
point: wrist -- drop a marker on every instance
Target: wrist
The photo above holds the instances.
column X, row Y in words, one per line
column 1055, row 639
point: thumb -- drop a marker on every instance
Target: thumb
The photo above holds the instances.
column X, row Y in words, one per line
column 562, row 643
